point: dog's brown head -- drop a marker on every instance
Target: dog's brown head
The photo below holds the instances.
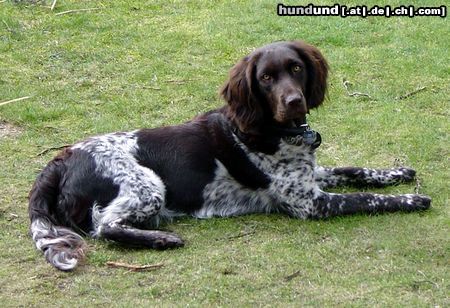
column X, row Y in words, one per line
column 278, row 83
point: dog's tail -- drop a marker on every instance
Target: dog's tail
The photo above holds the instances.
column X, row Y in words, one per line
column 62, row 247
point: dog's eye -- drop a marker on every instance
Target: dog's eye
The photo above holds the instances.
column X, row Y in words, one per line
column 296, row 68
column 266, row 77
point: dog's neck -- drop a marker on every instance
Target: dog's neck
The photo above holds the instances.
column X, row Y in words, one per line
column 295, row 132
column 294, row 128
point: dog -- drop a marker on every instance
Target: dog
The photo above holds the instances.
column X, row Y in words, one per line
column 256, row 154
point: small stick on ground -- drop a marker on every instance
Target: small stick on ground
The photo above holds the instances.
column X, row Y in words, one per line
column 242, row 234
column 12, row 216
column 134, row 268
column 15, row 100
column 427, row 280
column 411, row 93
column 52, row 149
column 151, row 88
column 346, row 84
column 53, row 5
column 292, row 276
column 400, row 161
column 179, row 81
column 7, row 26
column 418, row 186
column 77, row 11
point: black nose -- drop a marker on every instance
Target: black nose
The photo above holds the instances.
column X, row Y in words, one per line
column 294, row 100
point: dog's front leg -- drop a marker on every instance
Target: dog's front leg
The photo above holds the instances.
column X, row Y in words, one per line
column 330, row 204
column 355, row 176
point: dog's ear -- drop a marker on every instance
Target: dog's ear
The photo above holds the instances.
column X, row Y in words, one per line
column 317, row 72
column 238, row 91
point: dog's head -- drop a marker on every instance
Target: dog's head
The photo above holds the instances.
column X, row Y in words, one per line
column 279, row 82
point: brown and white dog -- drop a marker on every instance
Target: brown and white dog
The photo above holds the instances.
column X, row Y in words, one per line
column 254, row 155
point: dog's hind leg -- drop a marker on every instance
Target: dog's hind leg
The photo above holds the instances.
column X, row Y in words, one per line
column 359, row 177
column 136, row 237
column 131, row 208
column 140, row 198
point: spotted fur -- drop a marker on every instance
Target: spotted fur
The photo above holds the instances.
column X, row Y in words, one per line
column 334, row 177
column 141, row 192
column 231, row 161
column 61, row 246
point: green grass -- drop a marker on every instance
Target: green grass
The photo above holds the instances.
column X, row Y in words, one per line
column 138, row 64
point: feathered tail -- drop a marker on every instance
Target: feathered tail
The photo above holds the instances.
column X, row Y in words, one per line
column 62, row 247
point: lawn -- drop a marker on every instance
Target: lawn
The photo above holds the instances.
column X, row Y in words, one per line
column 130, row 64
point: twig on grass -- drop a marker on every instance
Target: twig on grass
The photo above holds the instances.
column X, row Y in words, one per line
column 180, row 81
column 346, row 85
column 399, row 162
column 53, row 5
column 12, row 216
column 151, row 88
column 15, row 100
column 411, row 93
column 418, row 282
column 7, row 26
column 134, row 268
column 77, row 11
column 427, row 280
column 52, row 149
column 418, row 186
column 292, row 276
column 242, row 234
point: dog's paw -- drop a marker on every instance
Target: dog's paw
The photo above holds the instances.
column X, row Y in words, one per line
column 415, row 202
column 402, row 174
column 407, row 174
column 167, row 240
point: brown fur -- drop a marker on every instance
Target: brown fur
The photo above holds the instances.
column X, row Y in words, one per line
column 250, row 109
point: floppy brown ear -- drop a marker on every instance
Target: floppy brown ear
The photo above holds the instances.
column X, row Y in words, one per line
column 317, row 70
column 237, row 91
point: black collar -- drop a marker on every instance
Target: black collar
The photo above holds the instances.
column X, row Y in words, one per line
column 290, row 131
column 298, row 135
column 298, row 128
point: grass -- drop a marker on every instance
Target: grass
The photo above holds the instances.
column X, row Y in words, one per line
column 150, row 63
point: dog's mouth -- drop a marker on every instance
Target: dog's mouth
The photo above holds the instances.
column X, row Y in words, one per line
column 290, row 118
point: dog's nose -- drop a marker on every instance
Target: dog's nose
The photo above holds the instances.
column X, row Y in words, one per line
column 296, row 102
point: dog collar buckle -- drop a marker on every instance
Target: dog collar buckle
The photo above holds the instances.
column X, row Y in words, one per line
column 309, row 136
column 304, row 135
